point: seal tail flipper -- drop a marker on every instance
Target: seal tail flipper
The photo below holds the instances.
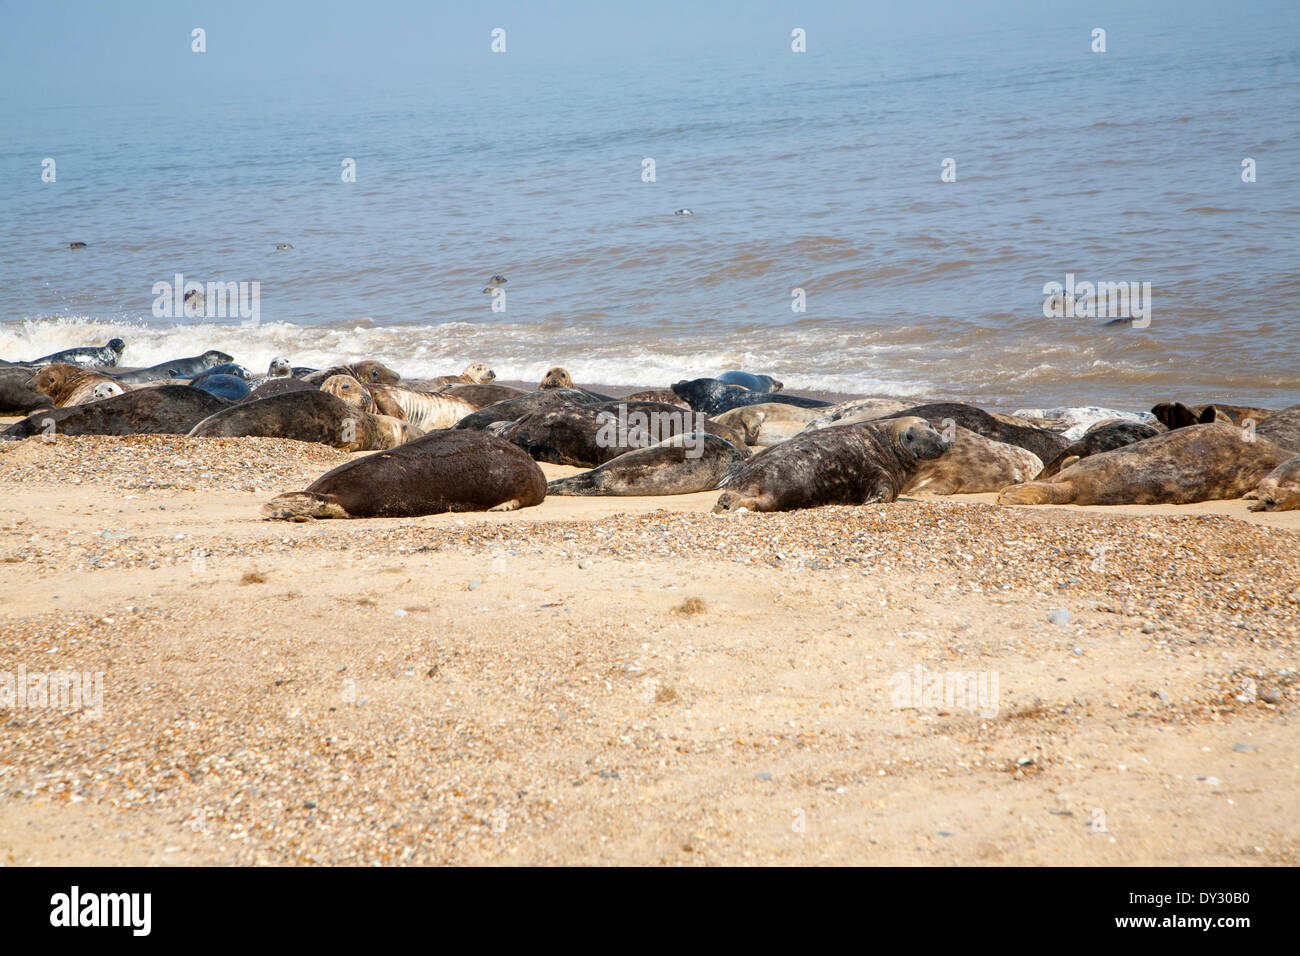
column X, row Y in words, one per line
column 1038, row 493
column 583, row 484
column 302, row 506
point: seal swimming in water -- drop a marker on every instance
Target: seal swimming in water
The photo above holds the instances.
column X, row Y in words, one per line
column 443, row 471
column 1280, row 489
column 755, row 383
column 176, row 368
column 104, row 356
column 367, row 372
column 680, row 465
column 307, row 416
column 1046, row 445
column 590, row 435
column 712, row 397
column 846, row 465
column 1105, row 437
column 495, row 282
column 476, row 373
column 1196, row 463
column 68, row 384
column 163, row 410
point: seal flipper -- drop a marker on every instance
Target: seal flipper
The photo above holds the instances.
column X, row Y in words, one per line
column 302, row 506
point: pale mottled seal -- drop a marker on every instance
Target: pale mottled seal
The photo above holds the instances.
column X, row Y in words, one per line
column 1073, row 421
column 307, row 416
column 106, row 390
column 755, row 383
column 1196, row 463
column 590, row 435
column 973, row 465
column 426, row 410
column 847, row 465
column 165, row 410
column 367, row 372
column 860, row 409
column 1046, row 445
column 443, row 471
column 103, row 356
column 1106, row 437
column 682, row 465
column 67, row 384
column 712, row 397
column 513, row 409
column 1280, row 489
column 176, row 368
column 476, row 373
column 350, row 390
column 1282, row 428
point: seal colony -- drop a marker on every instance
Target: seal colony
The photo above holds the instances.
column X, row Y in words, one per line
column 458, row 441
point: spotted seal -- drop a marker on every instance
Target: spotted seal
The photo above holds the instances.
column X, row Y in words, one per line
column 847, row 465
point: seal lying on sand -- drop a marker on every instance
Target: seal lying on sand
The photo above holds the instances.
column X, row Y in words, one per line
column 66, row 384
column 1196, row 463
column 712, row 397
column 476, row 373
column 427, row 411
column 973, row 465
column 755, row 383
column 15, row 397
column 367, row 372
column 230, row 387
column 94, row 356
column 847, row 465
column 164, row 410
column 665, row 395
column 590, row 435
column 177, row 368
column 481, row 396
column 858, row 409
column 1106, row 437
column 1282, row 428
column 513, row 409
column 1046, row 445
column 307, row 416
column 681, row 465
column 444, row 471
column 1280, row 489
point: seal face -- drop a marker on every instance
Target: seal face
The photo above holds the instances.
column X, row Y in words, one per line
column 367, row 372
column 845, row 465
column 280, row 367
column 712, row 397
column 443, row 471
column 555, row 378
column 681, row 465
column 1280, row 489
column 1195, row 463
column 66, row 384
column 495, row 282
column 476, row 373
column 350, row 390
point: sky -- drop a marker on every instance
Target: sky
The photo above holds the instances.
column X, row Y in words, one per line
column 61, row 52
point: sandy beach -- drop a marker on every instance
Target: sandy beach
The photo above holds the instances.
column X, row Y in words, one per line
column 633, row 680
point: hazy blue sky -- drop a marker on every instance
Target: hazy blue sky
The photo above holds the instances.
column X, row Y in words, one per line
column 58, row 53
